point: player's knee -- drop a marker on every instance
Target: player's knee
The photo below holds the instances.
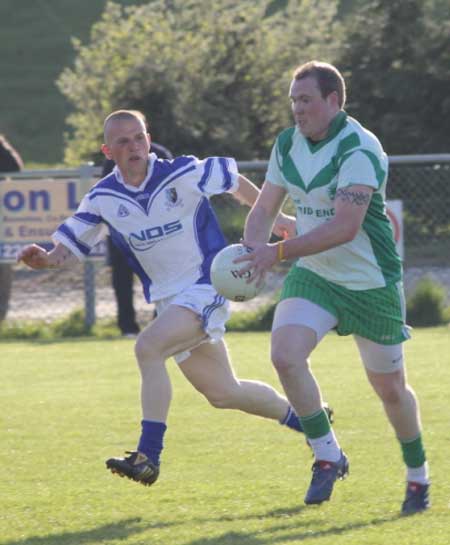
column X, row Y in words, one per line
column 285, row 361
column 222, row 399
column 220, row 402
column 145, row 349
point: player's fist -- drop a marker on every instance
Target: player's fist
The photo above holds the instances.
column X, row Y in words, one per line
column 34, row 256
column 285, row 226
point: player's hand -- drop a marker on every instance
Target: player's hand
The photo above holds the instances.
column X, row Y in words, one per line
column 34, row 256
column 285, row 226
column 261, row 258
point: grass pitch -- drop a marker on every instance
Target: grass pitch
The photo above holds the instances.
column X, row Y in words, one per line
column 227, row 478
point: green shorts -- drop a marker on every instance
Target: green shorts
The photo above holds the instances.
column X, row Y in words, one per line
column 377, row 314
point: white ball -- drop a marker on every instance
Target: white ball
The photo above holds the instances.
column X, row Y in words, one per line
column 225, row 276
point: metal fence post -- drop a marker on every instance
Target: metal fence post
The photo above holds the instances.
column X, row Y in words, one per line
column 89, row 293
column 86, row 174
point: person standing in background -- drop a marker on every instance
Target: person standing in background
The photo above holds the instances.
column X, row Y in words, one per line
column 10, row 161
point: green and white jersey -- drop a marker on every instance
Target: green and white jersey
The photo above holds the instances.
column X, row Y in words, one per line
column 312, row 172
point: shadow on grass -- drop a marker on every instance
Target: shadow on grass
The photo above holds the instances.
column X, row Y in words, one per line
column 103, row 534
column 289, row 530
column 275, row 513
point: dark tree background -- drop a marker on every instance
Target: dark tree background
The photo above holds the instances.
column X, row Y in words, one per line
column 213, row 75
column 396, row 59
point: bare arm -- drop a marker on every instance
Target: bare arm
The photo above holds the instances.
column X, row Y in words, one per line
column 282, row 224
column 263, row 213
column 37, row 257
column 247, row 192
column 351, row 205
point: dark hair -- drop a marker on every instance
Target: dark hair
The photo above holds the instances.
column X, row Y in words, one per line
column 328, row 78
column 10, row 160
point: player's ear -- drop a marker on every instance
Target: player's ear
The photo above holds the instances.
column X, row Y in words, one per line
column 106, row 151
column 333, row 99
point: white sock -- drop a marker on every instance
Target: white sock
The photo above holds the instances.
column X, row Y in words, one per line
column 418, row 474
column 326, row 447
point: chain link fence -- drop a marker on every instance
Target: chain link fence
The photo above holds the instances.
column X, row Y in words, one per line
column 422, row 183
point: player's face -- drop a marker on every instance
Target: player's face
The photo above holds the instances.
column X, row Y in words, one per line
column 312, row 113
column 128, row 144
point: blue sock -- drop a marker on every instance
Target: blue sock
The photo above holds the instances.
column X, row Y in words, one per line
column 151, row 441
column 291, row 420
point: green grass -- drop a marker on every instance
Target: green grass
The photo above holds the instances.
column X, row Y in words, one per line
column 227, row 478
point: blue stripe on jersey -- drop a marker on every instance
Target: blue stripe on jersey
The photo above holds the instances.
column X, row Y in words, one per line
column 159, row 188
column 206, row 174
column 208, row 310
column 162, row 167
column 117, row 195
column 67, row 232
column 119, row 240
column 209, row 237
column 108, row 182
column 226, row 173
column 112, row 183
column 111, row 187
column 86, row 217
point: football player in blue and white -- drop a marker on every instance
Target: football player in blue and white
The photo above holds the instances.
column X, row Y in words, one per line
column 158, row 213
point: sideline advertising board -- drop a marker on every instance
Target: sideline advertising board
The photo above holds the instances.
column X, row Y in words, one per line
column 32, row 209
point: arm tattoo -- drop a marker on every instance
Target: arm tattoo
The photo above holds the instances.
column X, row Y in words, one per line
column 354, row 197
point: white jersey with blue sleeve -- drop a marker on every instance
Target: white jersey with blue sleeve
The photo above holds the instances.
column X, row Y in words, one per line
column 166, row 227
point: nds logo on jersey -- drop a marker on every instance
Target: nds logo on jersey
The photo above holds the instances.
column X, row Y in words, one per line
column 147, row 238
column 172, row 199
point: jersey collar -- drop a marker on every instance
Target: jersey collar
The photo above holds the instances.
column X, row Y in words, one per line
column 150, row 167
column 337, row 124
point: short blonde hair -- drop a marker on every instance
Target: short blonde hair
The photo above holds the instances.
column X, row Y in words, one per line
column 125, row 114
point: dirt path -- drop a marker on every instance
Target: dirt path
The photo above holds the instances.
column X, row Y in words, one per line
column 53, row 294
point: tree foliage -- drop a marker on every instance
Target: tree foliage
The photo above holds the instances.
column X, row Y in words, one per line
column 396, row 58
column 211, row 75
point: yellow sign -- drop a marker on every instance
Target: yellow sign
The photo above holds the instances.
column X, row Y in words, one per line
column 31, row 211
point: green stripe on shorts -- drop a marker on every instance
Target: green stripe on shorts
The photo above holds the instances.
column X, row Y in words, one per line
column 376, row 314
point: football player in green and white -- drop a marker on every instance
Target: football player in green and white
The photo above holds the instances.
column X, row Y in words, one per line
column 347, row 276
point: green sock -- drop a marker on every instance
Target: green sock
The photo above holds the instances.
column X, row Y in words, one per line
column 315, row 425
column 413, row 452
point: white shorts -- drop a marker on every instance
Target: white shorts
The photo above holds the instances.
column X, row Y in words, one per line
column 213, row 309
column 298, row 311
column 378, row 358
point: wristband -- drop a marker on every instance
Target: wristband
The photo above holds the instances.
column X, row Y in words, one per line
column 280, row 251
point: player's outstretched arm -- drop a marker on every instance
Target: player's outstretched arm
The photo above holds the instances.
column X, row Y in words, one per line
column 247, row 192
column 284, row 226
column 37, row 257
column 265, row 215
